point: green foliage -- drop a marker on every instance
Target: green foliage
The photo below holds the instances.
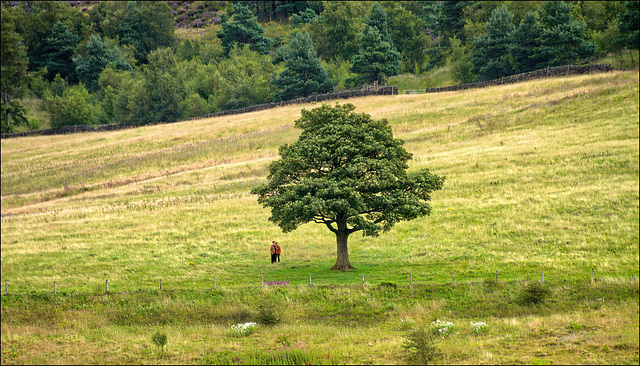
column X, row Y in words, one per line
column 57, row 51
column 460, row 62
column 335, row 34
column 339, row 72
column 14, row 77
column 94, row 57
column 74, row 107
column 268, row 313
column 244, row 30
column 407, row 33
column 376, row 59
column 346, row 171
column 306, row 16
column 629, row 25
column 492, row 56
column 562, row 39
column 303, row 74
column 242, row 79
column 534, row 293
column 159, row 339
column 525, row 43
column 421, row 346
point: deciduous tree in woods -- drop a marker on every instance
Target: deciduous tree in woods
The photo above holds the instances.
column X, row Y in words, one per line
column 346, row 171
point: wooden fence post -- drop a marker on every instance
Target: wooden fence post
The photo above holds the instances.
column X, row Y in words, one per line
column 309, row 279
column 6, row 288
column 593, row 275
column 214, row 282
column 106, row 289
column 363, row 280
column 161, row 284
column 496, row 275
column 454, row 277
column 55, row 290
column 262, row 280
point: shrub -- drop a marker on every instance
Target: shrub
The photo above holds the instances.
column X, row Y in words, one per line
column 534, row 293
column 159, row 339
column 421, row 346
column 267, row 314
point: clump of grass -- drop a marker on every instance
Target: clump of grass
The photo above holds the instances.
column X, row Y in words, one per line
column 534, row 293
column 421, row 346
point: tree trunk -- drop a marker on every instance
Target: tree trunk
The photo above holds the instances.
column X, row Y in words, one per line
column 342, row 261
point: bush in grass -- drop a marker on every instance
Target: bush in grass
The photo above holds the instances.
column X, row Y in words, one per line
column 534, row 293
column 268, row 314
column 159, row 339
column 421, row 346
column 242, row 330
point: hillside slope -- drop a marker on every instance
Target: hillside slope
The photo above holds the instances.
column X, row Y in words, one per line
column 541, row 175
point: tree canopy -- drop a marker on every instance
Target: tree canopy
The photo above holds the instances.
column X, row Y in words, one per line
column 345, row 171
column 303, row 74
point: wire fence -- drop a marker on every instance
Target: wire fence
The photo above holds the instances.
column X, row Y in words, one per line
column 312, row 280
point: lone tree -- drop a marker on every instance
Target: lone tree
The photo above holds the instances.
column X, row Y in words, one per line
column 346, row 171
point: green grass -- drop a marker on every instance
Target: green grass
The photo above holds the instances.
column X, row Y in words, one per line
column 541, row 176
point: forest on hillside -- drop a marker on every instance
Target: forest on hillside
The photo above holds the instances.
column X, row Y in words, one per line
column 68, row 63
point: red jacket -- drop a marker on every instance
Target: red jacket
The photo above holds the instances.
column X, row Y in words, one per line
column 278, row 250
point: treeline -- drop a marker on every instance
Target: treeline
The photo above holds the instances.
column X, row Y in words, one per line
column 99, row 63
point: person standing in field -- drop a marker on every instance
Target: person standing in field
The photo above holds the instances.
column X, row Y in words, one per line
column 273, row 251
column 278, row 251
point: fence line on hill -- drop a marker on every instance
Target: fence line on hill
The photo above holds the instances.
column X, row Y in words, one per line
column 347, row 94
column 365, row 280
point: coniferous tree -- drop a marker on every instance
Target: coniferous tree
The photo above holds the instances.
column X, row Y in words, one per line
column 57, row 52
column 629, row 26
column 524, row 45
column 14, row 72
column 492, row 56
column 97, row 54
column 562, row 40
column 303, row 74
column 377, row 58
column 244, row 30
column 378, row 18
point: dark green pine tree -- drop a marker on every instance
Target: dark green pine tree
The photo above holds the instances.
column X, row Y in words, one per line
column 377, row 57
column 563, row 40
column 244, row 29
column 378, row 18
column 97, row 54
column 629, row 26
column 57, row 52
column 524, row 46
column 492, row 56
column 303, row 75
column 13, row 78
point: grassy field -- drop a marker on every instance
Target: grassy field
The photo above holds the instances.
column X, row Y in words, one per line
column 541, row 176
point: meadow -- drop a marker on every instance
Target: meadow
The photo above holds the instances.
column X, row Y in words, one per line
column 542, row 177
